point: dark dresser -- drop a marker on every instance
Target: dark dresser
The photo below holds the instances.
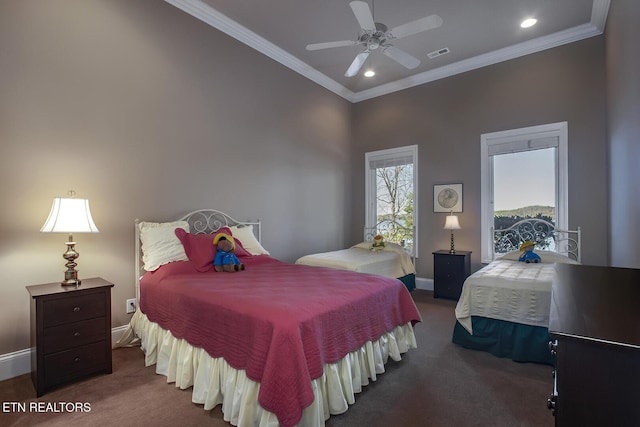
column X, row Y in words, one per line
column 449, row 273
column 70, row 332
column 594, row 327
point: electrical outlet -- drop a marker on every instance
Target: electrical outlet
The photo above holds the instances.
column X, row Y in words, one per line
column 131, row 305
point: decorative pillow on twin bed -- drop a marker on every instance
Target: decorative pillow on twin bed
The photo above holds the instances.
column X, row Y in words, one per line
column 245, row 234
column 200, row 248
column 159, row 243
column 547, row 257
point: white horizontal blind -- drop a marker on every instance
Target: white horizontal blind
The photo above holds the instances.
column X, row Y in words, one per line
column 522, row 145
column 390, row 162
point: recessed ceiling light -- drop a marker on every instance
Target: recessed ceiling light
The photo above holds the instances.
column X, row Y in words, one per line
column 369, row 73
column 529, row 22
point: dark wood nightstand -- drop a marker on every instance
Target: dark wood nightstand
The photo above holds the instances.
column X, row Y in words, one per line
column 449, row 273
column 70, row 332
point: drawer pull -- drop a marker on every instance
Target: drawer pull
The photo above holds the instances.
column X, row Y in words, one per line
column 551, row 404
column 76, row 360
column 76, row 334
column 76, row 309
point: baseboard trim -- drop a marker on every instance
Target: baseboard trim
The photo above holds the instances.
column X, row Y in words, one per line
column 19, row 362
column 15, row 364
column 423, row 283
column 116, row 334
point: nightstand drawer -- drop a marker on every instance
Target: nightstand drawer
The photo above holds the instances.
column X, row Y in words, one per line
column 71, row 335
column 72, row 309
column 448, row 290
column 77, row 362
column 444, row 274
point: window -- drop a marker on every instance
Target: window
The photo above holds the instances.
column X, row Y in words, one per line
column 391, row 200
column 524, row 173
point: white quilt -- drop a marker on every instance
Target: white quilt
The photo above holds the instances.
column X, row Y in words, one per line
column 507, row 290
column 393, row 261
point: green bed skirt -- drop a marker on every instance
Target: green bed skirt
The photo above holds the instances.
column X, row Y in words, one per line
column 521, row 343
column 409, row 281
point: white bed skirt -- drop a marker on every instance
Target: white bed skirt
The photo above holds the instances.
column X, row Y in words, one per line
column 214, row 382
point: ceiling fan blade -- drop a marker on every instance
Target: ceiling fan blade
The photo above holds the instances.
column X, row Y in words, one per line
column 357, row 63
column 327, row 45
column 363, row 15
column 413, row 27
column 401, row 57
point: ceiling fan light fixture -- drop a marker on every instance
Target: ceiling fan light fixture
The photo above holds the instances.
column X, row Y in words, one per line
column 374, row 36
column 529, row 22
column 369, row 73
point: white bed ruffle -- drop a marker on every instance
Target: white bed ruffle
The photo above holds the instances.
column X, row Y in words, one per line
column 215, row 382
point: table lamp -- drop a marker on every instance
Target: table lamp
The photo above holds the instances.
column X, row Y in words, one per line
column 452, row 224
column 70, row 215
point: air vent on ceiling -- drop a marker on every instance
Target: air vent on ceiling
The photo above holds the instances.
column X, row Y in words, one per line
column 438, row 52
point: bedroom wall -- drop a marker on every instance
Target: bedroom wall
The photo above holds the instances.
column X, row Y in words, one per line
column 150, row 114
column 446, row 118
column 623, row 111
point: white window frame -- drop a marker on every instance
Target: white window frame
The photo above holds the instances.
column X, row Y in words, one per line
column 490, row 141
column 370, row 188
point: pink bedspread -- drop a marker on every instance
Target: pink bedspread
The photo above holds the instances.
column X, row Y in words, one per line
column 279, row 322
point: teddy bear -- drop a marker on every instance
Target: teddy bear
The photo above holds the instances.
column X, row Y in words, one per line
column 528, row 255
column 378, row 243
column 226, row 259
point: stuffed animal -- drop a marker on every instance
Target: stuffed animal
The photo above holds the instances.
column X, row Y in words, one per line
column 226, row 259
column 528, row 255
column 378, row 243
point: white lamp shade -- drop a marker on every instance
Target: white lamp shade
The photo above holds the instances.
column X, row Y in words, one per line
column 452, row 223
column 69, row 216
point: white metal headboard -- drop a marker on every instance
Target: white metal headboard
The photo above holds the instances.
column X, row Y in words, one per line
column 546, row 236
column 202, row 221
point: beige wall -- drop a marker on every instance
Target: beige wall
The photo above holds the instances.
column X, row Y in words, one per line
column 623, row 119
column 150, row 114
column 446, row 118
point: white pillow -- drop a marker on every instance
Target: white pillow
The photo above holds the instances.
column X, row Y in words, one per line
column 545, row 256
column 248, row 240
column 160, row 245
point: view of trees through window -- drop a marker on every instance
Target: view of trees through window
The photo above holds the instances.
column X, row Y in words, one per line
column 394, row 204
column 524, row 187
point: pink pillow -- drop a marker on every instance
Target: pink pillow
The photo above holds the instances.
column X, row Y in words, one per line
column 240, row 251
column 200, row 249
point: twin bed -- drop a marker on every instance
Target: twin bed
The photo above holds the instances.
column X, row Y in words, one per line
column 504, row 307
column 393, row 260
column 275, row 344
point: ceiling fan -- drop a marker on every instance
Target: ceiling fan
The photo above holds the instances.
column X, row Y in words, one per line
column 374, row 35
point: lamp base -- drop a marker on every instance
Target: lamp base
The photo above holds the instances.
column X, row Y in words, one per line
column 71, row 282
column 452, row 250
column 71, row 275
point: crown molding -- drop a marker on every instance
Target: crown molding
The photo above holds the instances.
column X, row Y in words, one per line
column 205, row 13
column 599, row 13
column 208, row 15
column 515, row 51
